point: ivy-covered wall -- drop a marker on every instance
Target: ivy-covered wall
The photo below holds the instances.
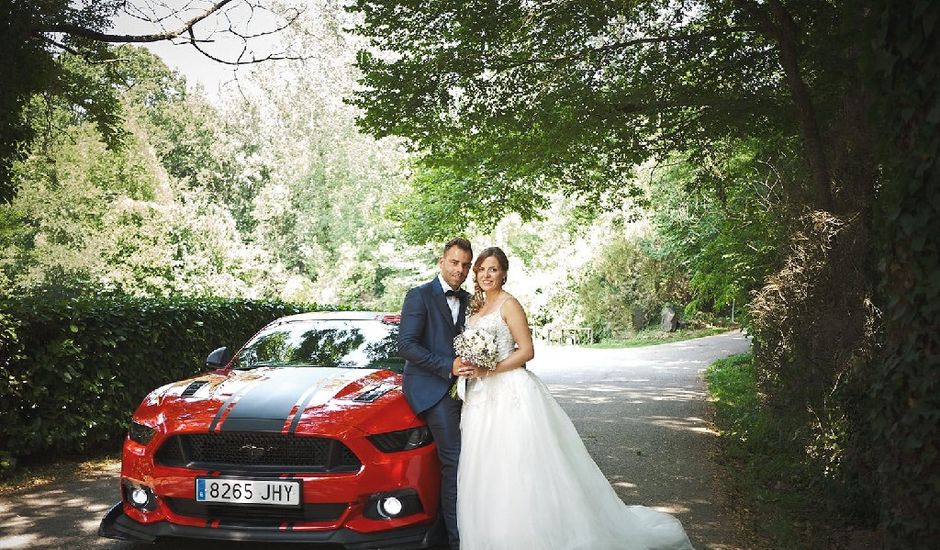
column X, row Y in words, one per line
column 905, row 387
column 72, row 370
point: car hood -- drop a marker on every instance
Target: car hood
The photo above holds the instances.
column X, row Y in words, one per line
column 272, row 399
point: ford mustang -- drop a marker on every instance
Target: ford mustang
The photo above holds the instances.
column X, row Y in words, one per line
column 302, row 436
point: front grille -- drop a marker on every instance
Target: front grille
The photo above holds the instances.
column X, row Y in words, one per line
column 328, row 512
column 257, row 452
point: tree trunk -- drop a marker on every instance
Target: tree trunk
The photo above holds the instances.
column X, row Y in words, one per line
column 779, row 24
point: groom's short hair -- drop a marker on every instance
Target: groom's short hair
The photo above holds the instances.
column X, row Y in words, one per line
column 461, row 243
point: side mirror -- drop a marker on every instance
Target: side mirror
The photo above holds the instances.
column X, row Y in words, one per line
column 218, row 358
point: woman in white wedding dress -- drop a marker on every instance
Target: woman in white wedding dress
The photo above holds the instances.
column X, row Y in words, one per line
column 525, row 480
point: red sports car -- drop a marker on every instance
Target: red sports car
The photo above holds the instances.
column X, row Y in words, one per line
column 302, row 436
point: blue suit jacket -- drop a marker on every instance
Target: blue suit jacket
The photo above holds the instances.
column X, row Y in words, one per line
column 426, row 341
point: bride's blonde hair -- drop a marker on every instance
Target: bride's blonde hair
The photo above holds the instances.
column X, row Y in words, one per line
column 479, row 298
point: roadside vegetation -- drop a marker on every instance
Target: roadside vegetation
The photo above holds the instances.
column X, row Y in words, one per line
column 74, row 368
column 654, row 335
column 786, row 498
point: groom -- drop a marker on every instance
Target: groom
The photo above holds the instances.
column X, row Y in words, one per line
column 431, row 316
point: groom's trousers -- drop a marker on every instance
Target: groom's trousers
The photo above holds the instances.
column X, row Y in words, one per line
column 444, row 422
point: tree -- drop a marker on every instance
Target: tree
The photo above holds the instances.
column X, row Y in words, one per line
column 526, row 97
column 623, row 289
column 722, row 213
column 147, row 218
column 34, row 36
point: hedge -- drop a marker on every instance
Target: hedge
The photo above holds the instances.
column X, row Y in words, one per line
column 72, row 370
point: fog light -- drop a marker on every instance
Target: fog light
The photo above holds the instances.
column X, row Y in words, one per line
column 139, row 497
column 393, row 505
column 390, row 507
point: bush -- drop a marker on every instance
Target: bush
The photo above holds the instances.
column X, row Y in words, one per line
column 815, row 339
column 73, row 369
column 623, row 290
column 790, row 501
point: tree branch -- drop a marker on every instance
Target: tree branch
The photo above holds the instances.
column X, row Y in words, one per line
column 83, row 55
column 625, row 44
column 241, row 57
column 181, row 35
column 75, row 30
column 296, row 15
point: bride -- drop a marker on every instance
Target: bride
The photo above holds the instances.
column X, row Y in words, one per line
column 525, row 479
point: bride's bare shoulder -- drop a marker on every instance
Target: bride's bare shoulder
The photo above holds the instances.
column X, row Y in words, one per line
column 510, row 303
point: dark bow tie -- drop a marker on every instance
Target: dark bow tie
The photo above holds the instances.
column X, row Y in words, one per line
column 456, row 293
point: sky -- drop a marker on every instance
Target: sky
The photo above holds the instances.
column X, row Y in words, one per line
column 215, row 78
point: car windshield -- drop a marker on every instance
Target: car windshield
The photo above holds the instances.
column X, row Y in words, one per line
column 365, row 344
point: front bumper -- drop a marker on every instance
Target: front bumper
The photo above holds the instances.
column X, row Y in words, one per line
column 117, row 525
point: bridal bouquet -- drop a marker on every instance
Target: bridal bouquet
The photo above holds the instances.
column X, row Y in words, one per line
column 476, row 346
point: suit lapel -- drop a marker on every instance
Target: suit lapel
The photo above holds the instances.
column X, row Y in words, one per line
column 438, row 294
column 462, row 313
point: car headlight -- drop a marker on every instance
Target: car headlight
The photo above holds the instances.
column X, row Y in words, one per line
column 402, row 440
column 141, row 433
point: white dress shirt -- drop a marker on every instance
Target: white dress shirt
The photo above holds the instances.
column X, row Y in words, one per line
column 453, row 302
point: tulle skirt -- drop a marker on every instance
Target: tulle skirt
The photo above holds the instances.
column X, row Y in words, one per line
column 526, row 481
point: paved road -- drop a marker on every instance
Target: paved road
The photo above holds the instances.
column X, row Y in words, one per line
column 642, row 414
column 640, row 411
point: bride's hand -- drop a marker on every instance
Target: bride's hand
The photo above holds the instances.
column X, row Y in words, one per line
column 479, row 372
column 464, row 368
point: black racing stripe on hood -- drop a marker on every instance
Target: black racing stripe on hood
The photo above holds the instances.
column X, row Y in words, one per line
column 218, row 414
column 268, row 403
column 300, row 412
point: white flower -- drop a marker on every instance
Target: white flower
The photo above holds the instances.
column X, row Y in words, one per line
column 477, row 346
column 474, row 346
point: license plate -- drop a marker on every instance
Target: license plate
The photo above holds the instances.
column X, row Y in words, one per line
column 248, row 491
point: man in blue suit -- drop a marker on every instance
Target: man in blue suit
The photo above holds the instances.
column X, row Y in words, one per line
column 431, row 316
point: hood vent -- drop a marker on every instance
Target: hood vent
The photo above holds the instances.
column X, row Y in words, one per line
column 193, row 388
column 371, row 394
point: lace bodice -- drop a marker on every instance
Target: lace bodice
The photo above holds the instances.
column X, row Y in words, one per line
column 494, row 322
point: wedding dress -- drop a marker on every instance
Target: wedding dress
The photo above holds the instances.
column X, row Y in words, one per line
column 525, row 480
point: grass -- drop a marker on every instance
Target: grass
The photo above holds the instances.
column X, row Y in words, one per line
column 747, row 455
column 778, row 494
column 655, row 335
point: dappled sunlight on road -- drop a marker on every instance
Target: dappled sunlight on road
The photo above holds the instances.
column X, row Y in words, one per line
column 613, row 391
column 673, row 509
column 691, row 423
column 624, row 484
column 19, row 541
column 55, row 516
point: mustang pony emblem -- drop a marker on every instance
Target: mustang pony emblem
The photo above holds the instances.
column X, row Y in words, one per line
column 254, row 451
